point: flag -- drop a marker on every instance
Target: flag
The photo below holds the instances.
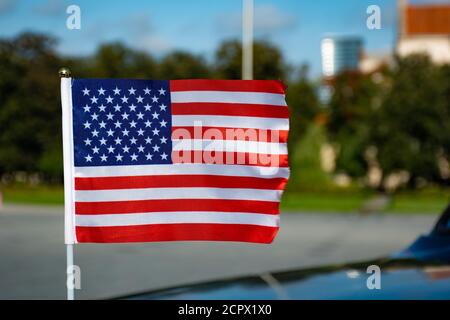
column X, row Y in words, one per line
column 183, row 160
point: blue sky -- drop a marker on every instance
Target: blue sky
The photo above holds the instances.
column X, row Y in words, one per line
column 198, row 26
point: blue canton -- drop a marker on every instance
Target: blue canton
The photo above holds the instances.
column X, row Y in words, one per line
column 121, row 122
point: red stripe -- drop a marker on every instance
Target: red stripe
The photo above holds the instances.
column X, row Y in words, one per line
column 193, row 205
column 249, row 134
column 178, row 181
column 228, row 109
column 231, row 158
column 269, row 86
column 177, row 232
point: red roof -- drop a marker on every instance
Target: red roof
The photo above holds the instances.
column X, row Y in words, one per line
column 428, row 19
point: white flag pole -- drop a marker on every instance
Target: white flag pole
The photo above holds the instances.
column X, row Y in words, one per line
column 247, row 40
column 69, row 225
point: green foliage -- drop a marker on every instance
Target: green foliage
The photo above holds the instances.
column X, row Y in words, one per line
column 305, row 161
column 352, row 106
column 413, row 125
column 268, row 61
column 183, row 65
column 304, row 106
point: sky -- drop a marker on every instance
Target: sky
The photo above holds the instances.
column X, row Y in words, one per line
column 199, row 26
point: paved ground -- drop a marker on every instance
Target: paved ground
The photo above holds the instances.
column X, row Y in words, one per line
column 32, row 254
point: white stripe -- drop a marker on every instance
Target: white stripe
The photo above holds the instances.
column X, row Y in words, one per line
column 230, row 146
column 176, row 193
column 130, row 219
column 230, row 122
column 228, row 97
column 195, row 169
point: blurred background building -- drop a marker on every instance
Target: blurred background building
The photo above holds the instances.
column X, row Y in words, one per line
column 424, row 29
column 340, row 54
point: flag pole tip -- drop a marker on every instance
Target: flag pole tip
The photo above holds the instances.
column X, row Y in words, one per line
column 64, row 73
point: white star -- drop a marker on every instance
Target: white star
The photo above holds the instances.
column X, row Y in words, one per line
column 102, row 124
column 125, row 116
column 155, row 99
column 87, row 108
column 140, row 99
column 162, row 91
column 88, row 158
column 148, row 124
column 148, row 156
column 102, row 108
column 155, row 132
column 110, row 133
column 132, row 90
column 116, row 90
column 88, row 141
column 104, row 157
column 95, row 133
column 118, row 140
column 140, row 116
column 86, row 92
column 155, row 148
column 87, row 125
column 126, row 149
column 148, row 140
column 95, row 150
column 140, row 132
column 94, row 100
column 111, row 149
column 119, row 157
column 163, row 107
column 94, row 116
column 141, row 148
column 134, row 157
column 124, row 99
column 101, row 91
column 102, row 141
column 125, row 132
column 147, row 91
column 164, row 156
column 155, row 115
column 109, row 99
column 163, row 140
column 118, row 124
column 117, row 108
column 132, row 107
column 133, row 140
column 133, row 124
column 163, row 123
column 109, row 116
column 147, row 107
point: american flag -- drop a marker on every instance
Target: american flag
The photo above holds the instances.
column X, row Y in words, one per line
column 183, row 160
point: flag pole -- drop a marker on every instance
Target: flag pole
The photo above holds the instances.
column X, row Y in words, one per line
column 247, row 40
column 69, row 234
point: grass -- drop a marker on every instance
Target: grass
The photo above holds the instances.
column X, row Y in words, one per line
column 323, row 202
column 416, row 202
column 433, row 201
column 43, row 195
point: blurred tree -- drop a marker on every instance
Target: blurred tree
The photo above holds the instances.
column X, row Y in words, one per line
column 30, row 109
column 183, row 65
column 354, row 100
column 268, row 61
column 305, row 161
column 117, row 61
column 413, row 126
column 304, row 106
